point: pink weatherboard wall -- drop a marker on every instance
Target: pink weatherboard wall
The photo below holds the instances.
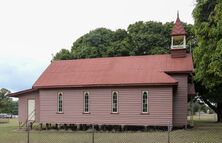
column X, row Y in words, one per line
column 129, row 101
column 164, row 105
column 23, row 106
column 180, row 100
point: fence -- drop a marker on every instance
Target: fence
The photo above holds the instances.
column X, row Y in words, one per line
column 93, row 135
column 205, row 130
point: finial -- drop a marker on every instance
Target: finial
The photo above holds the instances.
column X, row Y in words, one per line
column 177, row 13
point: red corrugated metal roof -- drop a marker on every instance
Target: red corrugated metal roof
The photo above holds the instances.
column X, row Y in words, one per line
column 114, row 71
column 178, row 28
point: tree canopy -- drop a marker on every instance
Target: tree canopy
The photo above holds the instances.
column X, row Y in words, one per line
column 208, row 53
column 140, row 38
column 63, row 54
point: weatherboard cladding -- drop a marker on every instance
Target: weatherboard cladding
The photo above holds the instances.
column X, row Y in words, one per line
column 180, row 100
column 178, row 53
column 132, row 70
column 191, row 90
column 23, row 106
column 129, row 102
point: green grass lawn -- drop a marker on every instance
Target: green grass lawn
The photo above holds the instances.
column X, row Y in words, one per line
column 205, row 131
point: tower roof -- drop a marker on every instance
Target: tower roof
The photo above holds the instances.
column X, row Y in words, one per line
column 178, row 28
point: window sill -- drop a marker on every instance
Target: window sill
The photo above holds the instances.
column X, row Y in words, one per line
column 114, row 113
column 59, row 112
column 86, row 113
column 144, row 113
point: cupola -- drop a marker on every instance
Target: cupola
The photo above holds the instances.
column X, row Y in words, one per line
column 178, row 40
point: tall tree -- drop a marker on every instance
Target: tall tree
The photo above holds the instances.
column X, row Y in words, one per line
column 93, row 44
column 208, row 54
column 149, row 37
column 140, row 38
column 121, row 44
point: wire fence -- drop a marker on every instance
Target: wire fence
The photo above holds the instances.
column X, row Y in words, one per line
column 205, row 133
column 105, row 135
column 205, row 130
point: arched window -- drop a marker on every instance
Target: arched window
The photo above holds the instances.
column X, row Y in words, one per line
column 145, row 101
column 60, row 102
column 86, row 102
column 114, row 102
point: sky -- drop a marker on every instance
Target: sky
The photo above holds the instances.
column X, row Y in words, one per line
column 31, row 31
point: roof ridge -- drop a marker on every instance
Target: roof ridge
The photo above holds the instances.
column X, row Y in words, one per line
column 136, row 56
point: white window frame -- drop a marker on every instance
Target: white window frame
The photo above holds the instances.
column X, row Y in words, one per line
column 84, row 102
column 147, row 101
column 117, row 93
column 59, row 94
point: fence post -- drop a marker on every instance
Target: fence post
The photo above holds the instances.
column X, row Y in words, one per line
column 169, row 130
column 192, row 113
column 92, row 133
column 28, row 133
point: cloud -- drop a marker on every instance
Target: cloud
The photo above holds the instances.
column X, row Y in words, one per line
column 21, row 74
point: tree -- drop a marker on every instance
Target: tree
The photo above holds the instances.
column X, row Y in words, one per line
column 121, row 44
column 149, row 38
column 208, row 53
column 63, row 54
column 140, row 38
column 3, row 99
column 7, row 105
column 93, row 44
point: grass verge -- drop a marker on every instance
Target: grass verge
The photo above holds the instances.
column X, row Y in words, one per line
column 205, row 131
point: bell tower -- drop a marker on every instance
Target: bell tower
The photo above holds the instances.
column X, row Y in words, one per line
column 178, row 40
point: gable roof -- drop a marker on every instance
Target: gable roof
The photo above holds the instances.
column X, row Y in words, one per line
column 178, row 28
column 114, row 71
